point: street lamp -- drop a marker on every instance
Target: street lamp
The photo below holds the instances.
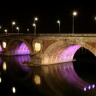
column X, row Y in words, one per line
column 6, row 31
column 74, row 14
column 28, row 30
column 34, row 24
column 17, row 29
column 13, row 23
column 58, row 21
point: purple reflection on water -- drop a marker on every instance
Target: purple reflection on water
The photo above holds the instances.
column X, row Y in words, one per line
column 21, row 59
column 70, row 75
column 0, row 61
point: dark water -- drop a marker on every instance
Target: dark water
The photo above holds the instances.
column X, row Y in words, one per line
column 69, row 79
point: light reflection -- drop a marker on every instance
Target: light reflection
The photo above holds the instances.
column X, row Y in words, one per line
column 89, row 87
column 4, row 66
column 13, row 90
column 0, row 61
column 21, row 59
column 67, row 73
column 93, row 86
column 37, row 79
column 85, row 89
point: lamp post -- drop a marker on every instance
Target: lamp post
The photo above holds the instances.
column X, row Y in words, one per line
column 17, row 29
column 58, row 21
column 34, row 24
column 74, row 14
column 13, row 23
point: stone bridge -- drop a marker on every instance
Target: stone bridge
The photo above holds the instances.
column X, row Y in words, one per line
column 47, row 48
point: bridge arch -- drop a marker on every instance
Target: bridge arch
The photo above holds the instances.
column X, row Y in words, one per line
column 18, row 47
column 64, row 50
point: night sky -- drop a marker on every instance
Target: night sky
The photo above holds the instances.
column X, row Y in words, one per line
column 48, row 12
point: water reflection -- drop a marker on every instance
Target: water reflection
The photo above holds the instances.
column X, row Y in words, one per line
column 52, row 80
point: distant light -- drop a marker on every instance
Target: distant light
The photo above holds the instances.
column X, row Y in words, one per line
column 13, row 23
column 84, row 88
column 89, row 87
column 95, row 18
column 74, row 13
column 35, row 18
column 6, row 30
column 34, row 24
column 93, row 86
column 58, row 21
column 27, row 29
column 17, row 28
column 0, row 27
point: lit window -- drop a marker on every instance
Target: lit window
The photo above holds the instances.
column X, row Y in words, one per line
column 4, row 44
column 37, row 46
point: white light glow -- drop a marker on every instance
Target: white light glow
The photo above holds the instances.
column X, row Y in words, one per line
column 36, row 19
column 89, row 87
column 34, row 24
column 58, row 21
column 13, row 89
column 84, row 88
column 74, row 13
column 13, row 23
column 37, row 46
column 4, row 44
column 37, row 80
column 93, row 86
column 4, row 66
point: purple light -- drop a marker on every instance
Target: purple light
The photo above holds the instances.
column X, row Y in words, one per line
column 93, row 86
column 20, row 60
column 69, row 73
column 0, row 48
column 0, row 61
column 89, row 87
column 84, row 88
column 63, row 54
column 19, row 49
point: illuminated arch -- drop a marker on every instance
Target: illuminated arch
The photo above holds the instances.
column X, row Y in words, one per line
column 63, row 51
column 22, row 48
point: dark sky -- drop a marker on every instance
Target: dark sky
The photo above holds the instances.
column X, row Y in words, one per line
column 23, row 12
